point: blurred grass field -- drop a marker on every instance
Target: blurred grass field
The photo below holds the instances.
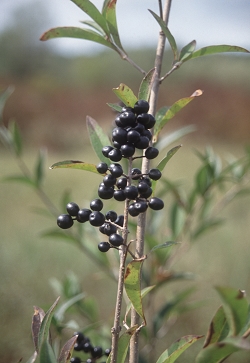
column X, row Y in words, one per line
column 28, row 261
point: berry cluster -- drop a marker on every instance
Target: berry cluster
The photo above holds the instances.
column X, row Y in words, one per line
column 83, row 344
column 131, row 133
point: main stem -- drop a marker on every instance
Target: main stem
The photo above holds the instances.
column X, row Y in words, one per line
column 141, row 223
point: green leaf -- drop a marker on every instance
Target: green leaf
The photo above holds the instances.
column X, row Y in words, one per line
column 79, row 33
column 67, row 349
column 115, row 107
column 55, row 233
column 98, row 138
column 123, row 344
column 146, row 84
column 93, row 25
column 177, row 348
column 39, row 169
column 144, row 292
column 45, row 326
column 235, row 306
column 46, row 354
column 126, row 95
column 16, row 138
column 90, row 9
column 218, row 328
column 173, row 136
column 20, row 179
column 167, row 33
column 74, row 164
column 214, row 49
column 4, row 97
column 172, row 111
column 218, row 352
column 109, row 13
column 164, row 245
column 59, row 314
column 187, row 50
column 132, row 283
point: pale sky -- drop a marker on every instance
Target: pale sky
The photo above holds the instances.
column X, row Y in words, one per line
column 206, row 21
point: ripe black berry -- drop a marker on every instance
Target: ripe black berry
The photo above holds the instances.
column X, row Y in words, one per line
column 97, row 352
column 135, row 173
column 109, row 180
column 102, row 168
column 132, row 210
column 111, row 215
column 154, row 174
column 104, row 246
column 115, row 155
column 141, row 106
column 116, row 240
column 80, row 337
column 87, row 347
column 142, row 143
column 107, row 352
column 156, row 203
column 119, row 134
column 96, row 219
column 65, row 221
column 83, row 215
column 120, row 220
column 72, row 209
column 105, row 192
column 127, row 150
column 127, row 118
column 96, row 205
column 108, row 228
column 119, row 195
column 131, row 192
column 121, row 183
column 116, row 170
column 140, row 206
column 151, row 153
column 143, row 187
column 133, row 136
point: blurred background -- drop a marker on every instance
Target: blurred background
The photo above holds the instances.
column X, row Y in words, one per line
column 56, row 85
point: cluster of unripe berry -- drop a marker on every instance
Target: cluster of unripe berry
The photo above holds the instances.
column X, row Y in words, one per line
column 131, row 132
column 83, row 344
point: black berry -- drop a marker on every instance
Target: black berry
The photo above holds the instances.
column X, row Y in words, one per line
column 97, row 352
column 105, row 192
column 109, row 180
column 156, row 203
column 119, row 195
column 141, row 106
column 83, row 215
column 102, row 168
column 96, row 205
column 72, row 209
column 154, row 174
column 65, row 221
column 151, row 153
column 120, row 220
column 111, row 215
column 116, row 170
column 106, row 150
column 104, row 246
column 115, row 155
column 96, row 219
column 116, row 240
column 121, row 183
column 131, row 192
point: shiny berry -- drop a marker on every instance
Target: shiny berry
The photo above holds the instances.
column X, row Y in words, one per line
column 96, row 219
column 120, row 220
column 135, row 173
column 133, row 136
column 116, row 240
column 119, row 195
column 102, row 168
column 103, row 246
column 65, row 221
column 97, row 352
column 142, row 143
column 72, row 209
column 142, row 187
column 107, row 352
column 115, row 155
column 146, row 194
column 156, row 203
column 132, row 210
column 141, row 106
column 151, row 153
column 151, row 122
column 106, row 150
column 87, row 347
column 116, row 170
column 119, row 134
column 83, row 215
column 121, row 183
column 127, row 150
column 140, row 206
column 80, row 337
column 127, row 118
column 108, row 228
column 105, row 192
column 96, row 205
column 131, row 192
column 154, row 174
column 111, row 215
column 109, row 180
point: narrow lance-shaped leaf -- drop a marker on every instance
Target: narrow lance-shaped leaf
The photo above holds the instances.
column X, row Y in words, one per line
column 215, row 49
column 187, row 50
column 218, row 352
column 74, row 32
column 93, row 25
column 66, row 352
column 132, row 285
column 74, row 164
column 45, row 326
column 218, row 328
column 177, row 348
column 109, row 13
column 91, row 10
column 47, row 354
column 36, row 325
column 126, row 95
column 115, row 107
column 236, row 307
column 167, row 33
column 98, row 137
column 146, row 84
column 16, row 138
column 123, row 344
column 172, row 111
column 163, row 245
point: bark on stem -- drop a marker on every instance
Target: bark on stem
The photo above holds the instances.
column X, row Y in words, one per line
column 141, row 223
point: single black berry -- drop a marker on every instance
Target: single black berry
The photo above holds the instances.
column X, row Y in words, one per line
column 102, row 168
column 121, row 183
column 65, row 221
column 119, row 195
column 127, row 118
column 97, row 352
column 142, row 143
column 140, row 206
column 119, row 134
column 96, row 205
column 154, row 174
column 142, row 187
column 133, row 136
column 111, row 215
column 72, row 209
column 96, row 219
column 127, row 150
column 146, row 194
column 104, row 246
column 151, row 153
column 78, row 347
column 108, row 228
column 132, row 210
column 116, row 170
column 156, row 203
column 120, row 220
column 141, row 106
column 80, row 337
column 107, row 352
column 116, row 240
column 83, row 215
column 151, row 122
column 87, row 347
column 131, row 192
column 135, row 173
column 115, row 155
column 109, row 180
column 105, row 192
column 127, row 109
